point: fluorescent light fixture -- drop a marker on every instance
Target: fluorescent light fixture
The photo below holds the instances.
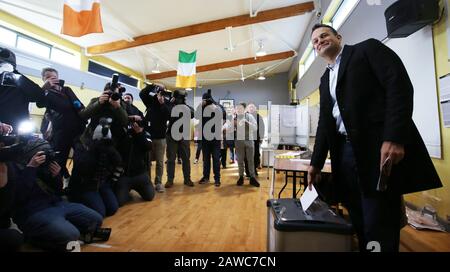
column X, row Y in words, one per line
column 156, row 69
column 188, row 89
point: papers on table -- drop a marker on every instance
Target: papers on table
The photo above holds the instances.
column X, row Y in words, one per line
column 308, row 197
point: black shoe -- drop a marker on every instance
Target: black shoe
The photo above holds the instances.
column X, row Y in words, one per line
column 217, row 183
column 203, row 181
column 179, row 161
column 240, row 181
column 189, row 183
column 169, row 184
column 254, row 182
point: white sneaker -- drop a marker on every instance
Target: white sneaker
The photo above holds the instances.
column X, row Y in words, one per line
column 160, row 188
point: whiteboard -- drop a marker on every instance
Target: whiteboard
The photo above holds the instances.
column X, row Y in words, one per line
column 417, row 54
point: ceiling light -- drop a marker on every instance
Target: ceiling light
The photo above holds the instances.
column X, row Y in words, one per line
column 156, row 69
column 261, row 77
column 261, row 52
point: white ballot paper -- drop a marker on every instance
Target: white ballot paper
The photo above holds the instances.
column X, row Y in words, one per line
column 308, row 197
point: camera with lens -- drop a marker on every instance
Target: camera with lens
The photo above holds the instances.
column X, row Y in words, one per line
column 50, row 156
column 9, row 79
column 21, row 148
column 116, row 85
column 154, row 89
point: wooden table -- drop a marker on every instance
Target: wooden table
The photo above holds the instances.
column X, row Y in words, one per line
column 298, row 168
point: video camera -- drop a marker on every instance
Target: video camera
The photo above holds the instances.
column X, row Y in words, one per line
column 114, row 85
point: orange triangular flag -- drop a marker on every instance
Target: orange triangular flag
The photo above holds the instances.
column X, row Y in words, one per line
column 81, row 17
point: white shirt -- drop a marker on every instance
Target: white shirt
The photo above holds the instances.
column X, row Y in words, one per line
column 334, row 71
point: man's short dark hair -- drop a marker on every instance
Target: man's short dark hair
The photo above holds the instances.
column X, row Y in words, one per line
column 316, row 26
column 243, row 104
column 48, row 69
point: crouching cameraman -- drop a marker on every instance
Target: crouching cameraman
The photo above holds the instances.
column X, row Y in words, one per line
column 10, row 238
column 46, row 220
column 135, row 153
column 96, row 171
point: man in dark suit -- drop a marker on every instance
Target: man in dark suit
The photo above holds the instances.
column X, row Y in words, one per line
column 366, row 105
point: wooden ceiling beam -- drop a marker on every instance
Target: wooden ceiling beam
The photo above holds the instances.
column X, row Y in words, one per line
column 236, row 21
column 226, row 64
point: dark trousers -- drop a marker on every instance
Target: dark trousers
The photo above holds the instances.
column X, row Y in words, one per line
column 223, row 157
column 230, row 145
column 377, row 217
column 257, row 156
column 199, row 149
column 140, row 184
column 10, row 240
column 173, row 148
column 63, row 143
column 104, row 201
column 211, row 149
column 54, row 227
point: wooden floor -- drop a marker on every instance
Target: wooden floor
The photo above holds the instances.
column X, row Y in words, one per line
column 206, row 218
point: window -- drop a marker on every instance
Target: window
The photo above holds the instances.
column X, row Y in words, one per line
column 101, row 70
column 34, row 47
column 341, row 9
column 8, row 37
column 65, row 57
column 344, row 10
column 306, row 60
column 28, row 44
column 309, row 60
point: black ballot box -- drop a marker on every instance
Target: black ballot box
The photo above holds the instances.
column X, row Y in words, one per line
column 319, row 229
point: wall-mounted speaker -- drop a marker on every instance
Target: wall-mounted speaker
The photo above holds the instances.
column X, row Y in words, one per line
column 405, row 17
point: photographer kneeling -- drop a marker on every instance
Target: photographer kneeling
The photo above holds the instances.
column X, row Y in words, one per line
column 135, row 153
column 10, row 238
column 46, row 220
column 96, row 172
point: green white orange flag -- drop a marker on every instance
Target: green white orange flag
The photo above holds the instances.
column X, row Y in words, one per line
column 81, row 17
column 186, row 77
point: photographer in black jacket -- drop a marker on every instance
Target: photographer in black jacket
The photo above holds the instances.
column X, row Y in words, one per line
column 63, row 108
column 10, row 238
column 154, row 97
column 178, row 137
column 96, row 171
column 211, row 115
column 134, row 150
column 108, row 105
column 16, row 91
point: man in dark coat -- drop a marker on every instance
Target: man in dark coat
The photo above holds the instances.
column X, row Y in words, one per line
column 366, row 105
